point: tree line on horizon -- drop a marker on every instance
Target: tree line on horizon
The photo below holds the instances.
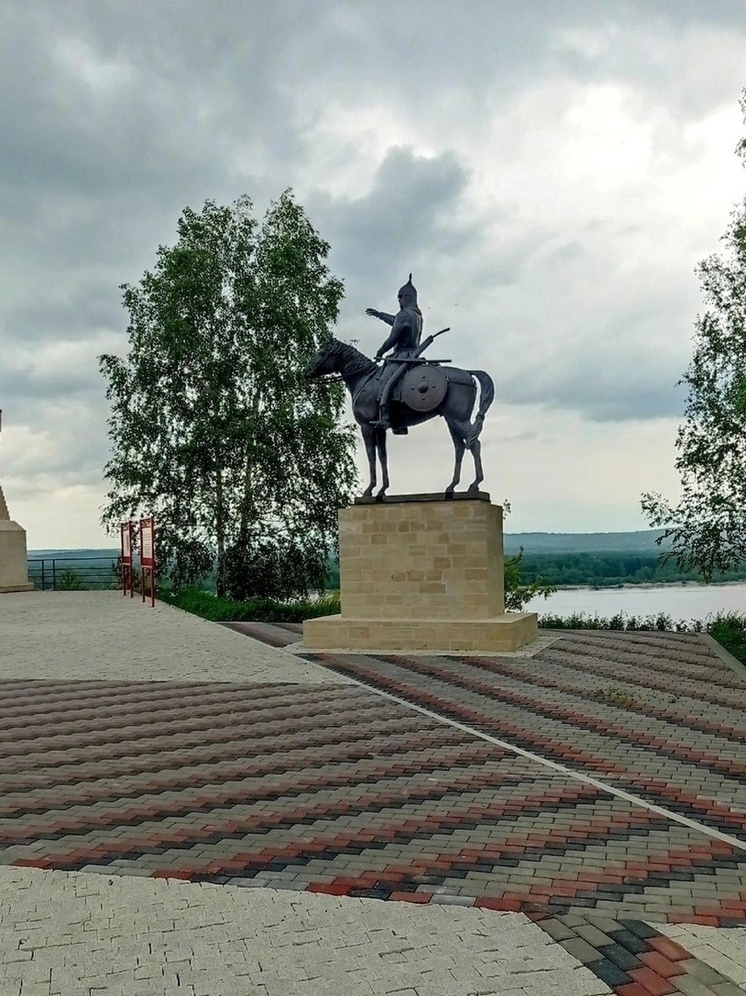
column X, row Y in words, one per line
column 613, row 568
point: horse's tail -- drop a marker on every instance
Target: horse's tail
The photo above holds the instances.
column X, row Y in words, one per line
column 487, row 396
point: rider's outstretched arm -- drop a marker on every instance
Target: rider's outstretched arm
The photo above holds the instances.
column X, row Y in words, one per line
column 384, row 316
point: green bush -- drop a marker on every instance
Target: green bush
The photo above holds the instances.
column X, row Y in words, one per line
column 272, row 568
column 662, row 623
column 728, row 628
column 202, row 603
column 519, row 590
column 70, row 580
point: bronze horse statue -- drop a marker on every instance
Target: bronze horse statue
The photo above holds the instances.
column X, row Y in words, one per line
column 427, row 389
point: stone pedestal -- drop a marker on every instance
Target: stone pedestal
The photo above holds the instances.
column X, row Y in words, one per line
column 13, row 564
column 418, row 572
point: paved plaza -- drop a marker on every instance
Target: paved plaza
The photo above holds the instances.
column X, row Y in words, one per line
column 209, row 810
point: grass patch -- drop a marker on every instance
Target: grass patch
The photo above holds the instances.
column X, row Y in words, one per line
column 202, row 603
column 615, row 696
column 621, row 622
column 728, row 628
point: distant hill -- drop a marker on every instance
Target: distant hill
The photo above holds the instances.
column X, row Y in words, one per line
column 637, row 542
column 73, row 569
column 70, row 554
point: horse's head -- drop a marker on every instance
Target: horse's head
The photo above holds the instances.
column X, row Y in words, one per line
column 323, row 362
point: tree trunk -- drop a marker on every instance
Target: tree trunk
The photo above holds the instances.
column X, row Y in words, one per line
column 248, row 473
column 220, row 534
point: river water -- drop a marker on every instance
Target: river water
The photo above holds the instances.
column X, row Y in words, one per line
column 681, row 602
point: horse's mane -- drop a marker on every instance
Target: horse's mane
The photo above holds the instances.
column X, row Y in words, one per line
column 352, row 360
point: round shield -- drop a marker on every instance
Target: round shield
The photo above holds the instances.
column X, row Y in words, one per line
column 424, row 387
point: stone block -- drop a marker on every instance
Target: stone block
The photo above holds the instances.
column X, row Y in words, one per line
column 422, row 573
column 429, row 558
column 13, row 563
column 500, row 634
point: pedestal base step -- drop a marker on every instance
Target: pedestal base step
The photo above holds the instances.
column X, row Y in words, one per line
column 497, row 634
column 7, row 588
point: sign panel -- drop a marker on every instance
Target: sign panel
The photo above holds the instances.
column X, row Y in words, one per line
column 128, row 579
column 126, row 542
column 147, row 556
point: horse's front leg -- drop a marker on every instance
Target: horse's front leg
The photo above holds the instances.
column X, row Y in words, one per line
column 476, row 452
column 368, row 433
column 383, row 460
column 458, row 446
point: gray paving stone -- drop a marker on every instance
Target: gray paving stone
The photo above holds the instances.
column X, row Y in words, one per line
column 727, row 989
column 690, row 985
column 703, row 972
column 582, row 950
column 595, row 937
column 557, row 930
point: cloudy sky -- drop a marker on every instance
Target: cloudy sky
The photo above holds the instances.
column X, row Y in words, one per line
column 550, row 170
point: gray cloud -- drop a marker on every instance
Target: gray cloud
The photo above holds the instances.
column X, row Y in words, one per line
column 65, row 312
column 632, row 392
column 445, row 140
column 400, row 224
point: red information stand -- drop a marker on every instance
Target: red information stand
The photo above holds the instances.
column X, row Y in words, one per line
column 128, row 578
column 147, row 556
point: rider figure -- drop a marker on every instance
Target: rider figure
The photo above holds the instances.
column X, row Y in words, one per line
column 406, row 330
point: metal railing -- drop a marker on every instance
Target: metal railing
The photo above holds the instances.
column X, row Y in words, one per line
column 73, row 573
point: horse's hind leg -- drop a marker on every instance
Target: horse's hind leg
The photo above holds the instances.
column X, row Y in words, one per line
column 383, row 460
column 458, row 446
column 476, row 452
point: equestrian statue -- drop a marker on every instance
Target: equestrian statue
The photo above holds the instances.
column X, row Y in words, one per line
column 408, row 390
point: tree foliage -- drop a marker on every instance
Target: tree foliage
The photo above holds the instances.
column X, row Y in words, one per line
column 519, row 586
column 519, row 590
column 213, row 427
column 708, row 524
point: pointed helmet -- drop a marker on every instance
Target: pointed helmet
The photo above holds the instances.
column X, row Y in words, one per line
column 408, row 294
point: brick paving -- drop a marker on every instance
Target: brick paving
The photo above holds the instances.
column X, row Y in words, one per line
column 722, row 950
column 658, row 715
column 334, row 795
column 331, row 789
column 635, row 959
